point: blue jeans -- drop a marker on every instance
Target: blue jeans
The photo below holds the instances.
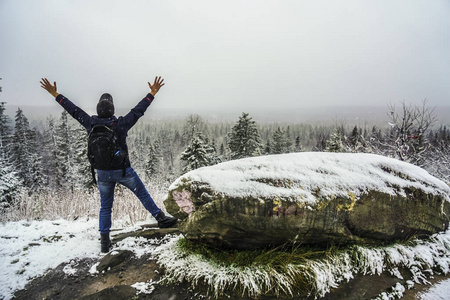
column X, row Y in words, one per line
column 107, row 180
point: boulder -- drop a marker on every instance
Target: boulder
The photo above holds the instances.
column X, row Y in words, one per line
column 308, row 198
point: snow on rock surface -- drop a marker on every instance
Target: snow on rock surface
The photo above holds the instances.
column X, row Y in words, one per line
column 335, row 173
column 297, row 191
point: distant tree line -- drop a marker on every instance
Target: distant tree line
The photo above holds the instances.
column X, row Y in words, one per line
column 52, row 155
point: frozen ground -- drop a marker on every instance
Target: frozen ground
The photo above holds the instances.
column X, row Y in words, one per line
column 28, row 249
column 440, row 291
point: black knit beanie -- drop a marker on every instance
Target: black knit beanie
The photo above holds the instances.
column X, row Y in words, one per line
column 105, row 106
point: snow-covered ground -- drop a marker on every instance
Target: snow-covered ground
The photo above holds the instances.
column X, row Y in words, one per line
column 28, row 249
column 440, row 291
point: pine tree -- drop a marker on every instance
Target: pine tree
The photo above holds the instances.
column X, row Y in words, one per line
column 26, row 153
column 268, row 148
column 222, row 150
column 166, row 148
column 298, row 145
column 24, row 150
column 5, row 133
column 153, row 165
column 49, row 156
column 354, row 137
column 5, row 129
column 9, row 183
column 82, row 176
column 288, row 140
column 37, row 182
column 245, row 140
column 334, row 143
column 281, row 142
column 63, row 175
column 198, row 154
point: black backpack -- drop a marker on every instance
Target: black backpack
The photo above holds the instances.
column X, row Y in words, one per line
column 104, row 151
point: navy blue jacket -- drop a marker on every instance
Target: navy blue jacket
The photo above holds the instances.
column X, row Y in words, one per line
column 123, row 124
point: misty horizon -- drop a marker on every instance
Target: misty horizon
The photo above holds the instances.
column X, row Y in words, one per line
column 227, row 54
column 327, row 115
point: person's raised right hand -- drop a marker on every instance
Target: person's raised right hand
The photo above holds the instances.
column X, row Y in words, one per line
column 45, row 84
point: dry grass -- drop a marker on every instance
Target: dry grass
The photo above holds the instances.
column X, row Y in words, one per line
column 70, row 205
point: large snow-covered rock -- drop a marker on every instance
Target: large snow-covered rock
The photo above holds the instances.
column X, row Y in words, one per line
column 308, row 198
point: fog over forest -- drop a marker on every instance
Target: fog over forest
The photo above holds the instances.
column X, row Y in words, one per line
column 327, row 115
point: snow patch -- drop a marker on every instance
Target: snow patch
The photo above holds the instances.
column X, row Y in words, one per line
column 28, row 249
column 144, row 287
column 93, row 270
column 396, row 293
column 70, row 269
column 439, row 291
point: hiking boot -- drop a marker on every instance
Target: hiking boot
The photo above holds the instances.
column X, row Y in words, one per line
column 165, row 221
column 105, row 242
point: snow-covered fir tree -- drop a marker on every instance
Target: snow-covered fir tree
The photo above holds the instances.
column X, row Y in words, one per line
column 356, row 142
column 9, row 183
column 82, row 176
column 198, row 154
column 153, row 164
column 268, row 147
column 5, row 134
column 37, row 182
column 49, row 155
column 167, row 146
column 281, row 142
column 25, row 153
column 354, row 137
column 5, row 129
column 64, row 163
column 245, row 140
column 298, row 144
column 334, row 143
column 139, row 151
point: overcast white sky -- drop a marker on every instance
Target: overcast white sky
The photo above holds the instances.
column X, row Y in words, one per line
column 215, row 55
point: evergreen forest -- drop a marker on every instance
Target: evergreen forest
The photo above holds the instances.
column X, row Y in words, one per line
column 49, row 159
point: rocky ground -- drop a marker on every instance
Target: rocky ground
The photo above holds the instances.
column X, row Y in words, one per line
column 121, row 269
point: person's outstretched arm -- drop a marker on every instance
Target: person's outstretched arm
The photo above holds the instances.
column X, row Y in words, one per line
column 76, row 112
column 138, row 111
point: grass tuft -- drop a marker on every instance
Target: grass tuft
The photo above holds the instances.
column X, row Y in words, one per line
column 297, row 271
column 277, row 258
